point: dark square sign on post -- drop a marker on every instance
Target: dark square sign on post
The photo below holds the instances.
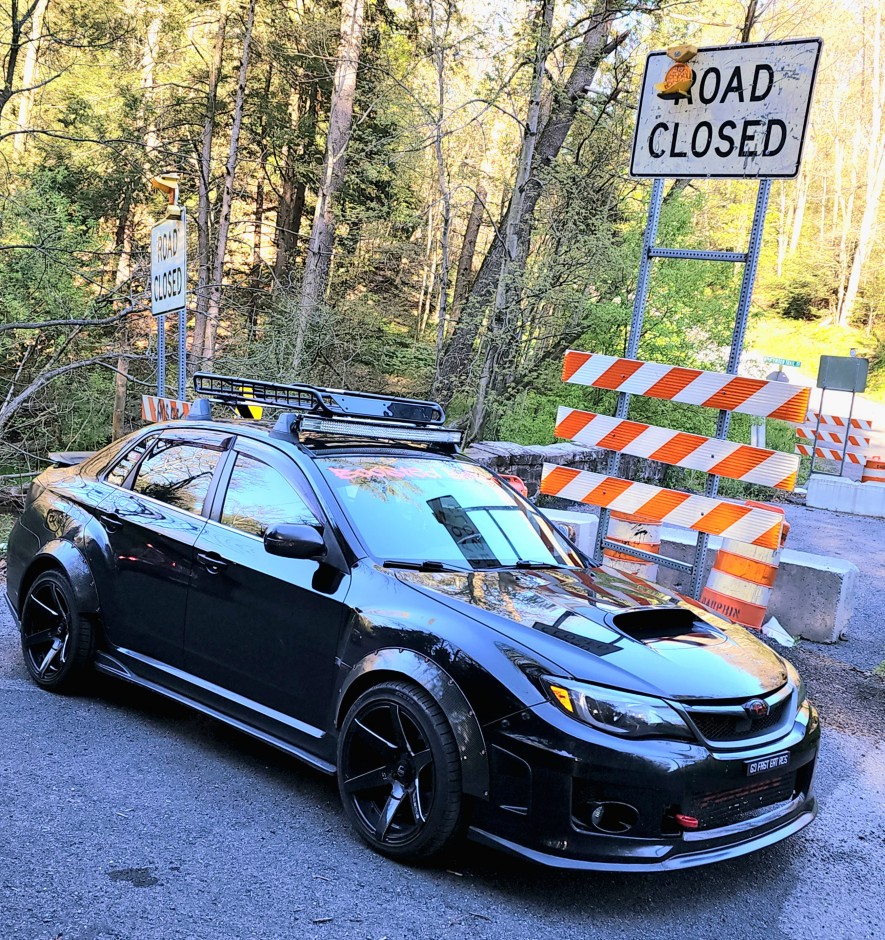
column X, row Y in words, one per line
column 843, row 373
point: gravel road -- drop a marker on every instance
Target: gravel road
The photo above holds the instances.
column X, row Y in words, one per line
column 126, row 817
column 860, row 539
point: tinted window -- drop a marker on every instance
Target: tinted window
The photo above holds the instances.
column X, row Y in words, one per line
column 259, row 497
column 427, row 509
column 178, row 474
column 118, row 475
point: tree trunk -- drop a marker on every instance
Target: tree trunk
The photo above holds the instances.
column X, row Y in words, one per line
column 567, row 102
column 293, row 189
column 204, row 180
column 468, row 249
column 29, row 75
column 319, row 251
column 258, row 224
column 439, row 54
column 875, row 181
column 13, row 46
column 121, row 381
column 516, row 227
column 148, row 64
column 213, row 311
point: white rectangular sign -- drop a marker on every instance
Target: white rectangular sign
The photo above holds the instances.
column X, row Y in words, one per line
column 168, row 266
column 745, row 114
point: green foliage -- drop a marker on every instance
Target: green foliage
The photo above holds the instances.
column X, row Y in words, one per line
column 807, row 290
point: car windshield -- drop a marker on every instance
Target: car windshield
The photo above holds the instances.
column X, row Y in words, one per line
column 436, row 511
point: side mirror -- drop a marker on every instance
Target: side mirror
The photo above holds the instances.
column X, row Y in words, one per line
column 294, row 541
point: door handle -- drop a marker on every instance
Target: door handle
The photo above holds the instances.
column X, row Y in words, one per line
column 111, row 521
column 211, row 562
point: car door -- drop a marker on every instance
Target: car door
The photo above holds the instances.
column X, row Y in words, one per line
column 152, row 522
column 264, row 627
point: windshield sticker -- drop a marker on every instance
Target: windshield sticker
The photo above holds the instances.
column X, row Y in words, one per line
column 364, row 473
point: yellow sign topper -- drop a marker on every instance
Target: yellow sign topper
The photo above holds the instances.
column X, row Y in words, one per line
column 679, row 77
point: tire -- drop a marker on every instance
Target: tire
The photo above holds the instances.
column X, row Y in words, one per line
column 58, row 642
column 399, row 772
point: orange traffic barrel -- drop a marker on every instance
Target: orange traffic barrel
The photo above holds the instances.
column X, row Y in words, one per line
column 637, row 532
column 873, row 471
column 742, row 578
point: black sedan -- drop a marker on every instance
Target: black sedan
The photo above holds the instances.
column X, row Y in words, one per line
column 363, row 596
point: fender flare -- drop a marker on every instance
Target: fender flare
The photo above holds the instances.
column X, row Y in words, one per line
column 435, row 680
column 70, row 559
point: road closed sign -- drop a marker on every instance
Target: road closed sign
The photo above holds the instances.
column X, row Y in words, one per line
column 736, row 112
column 168, row 266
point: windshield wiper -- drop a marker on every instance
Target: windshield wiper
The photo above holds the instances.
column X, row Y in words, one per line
column 522, row 563
column 421, row 565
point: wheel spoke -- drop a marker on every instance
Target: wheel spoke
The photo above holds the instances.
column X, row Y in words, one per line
column 55, row 613
column 58, row 599
column 399, row 732
column 375, row 735
column 368, row 780
column 49, row 657
column 42, row 636
column 422, row 759
column 64, row 647
column 394, row 802
column 415, row 801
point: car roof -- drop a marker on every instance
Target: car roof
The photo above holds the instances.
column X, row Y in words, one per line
column 314, row 446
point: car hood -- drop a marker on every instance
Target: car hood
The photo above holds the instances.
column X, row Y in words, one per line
column 617, row 631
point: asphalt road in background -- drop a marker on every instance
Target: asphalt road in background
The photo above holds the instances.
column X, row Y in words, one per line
column 124, row 816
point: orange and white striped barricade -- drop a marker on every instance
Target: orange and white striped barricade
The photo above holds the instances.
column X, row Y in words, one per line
column 873, row 471
column 154, row 408
column 673, row 507
column 720, row 390
column 644, row 534
column 813, row 418
column 829, row 453
column 834, row 437
column 679, row 449
column 742, row 578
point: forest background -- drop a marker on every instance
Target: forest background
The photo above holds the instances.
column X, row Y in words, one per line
column 428, row 197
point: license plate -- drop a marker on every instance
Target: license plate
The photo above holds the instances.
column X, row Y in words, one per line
column 765, row 764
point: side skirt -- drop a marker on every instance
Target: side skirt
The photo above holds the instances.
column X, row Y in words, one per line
column 111, row 666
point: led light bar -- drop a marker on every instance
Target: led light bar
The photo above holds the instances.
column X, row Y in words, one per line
column 380, row 429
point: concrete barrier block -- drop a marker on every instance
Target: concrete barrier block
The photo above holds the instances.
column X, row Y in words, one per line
column 842, row 495
column 580, row 526
column 813, row 595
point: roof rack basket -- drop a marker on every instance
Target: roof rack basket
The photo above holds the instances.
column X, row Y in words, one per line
column 318, row 402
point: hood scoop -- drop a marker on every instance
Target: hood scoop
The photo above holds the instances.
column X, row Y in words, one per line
column 666, row 626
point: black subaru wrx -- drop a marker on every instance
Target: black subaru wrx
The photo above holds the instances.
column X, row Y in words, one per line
column 346, row 585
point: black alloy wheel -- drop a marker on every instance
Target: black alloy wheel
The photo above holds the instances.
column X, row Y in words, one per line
column 57, row 642
column 399, row 772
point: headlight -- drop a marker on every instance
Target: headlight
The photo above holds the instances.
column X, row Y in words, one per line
column 627, row 714
column 796, row 680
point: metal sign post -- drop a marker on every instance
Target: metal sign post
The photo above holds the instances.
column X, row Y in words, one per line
column 734, row 360
column 733, row 112
column 169, row 278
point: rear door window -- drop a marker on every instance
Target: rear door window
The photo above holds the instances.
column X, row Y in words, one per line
column 178, row 473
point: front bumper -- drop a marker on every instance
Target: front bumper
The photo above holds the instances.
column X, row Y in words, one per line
column 547, row 776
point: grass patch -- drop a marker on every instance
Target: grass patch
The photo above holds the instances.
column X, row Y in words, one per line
column 808, row 340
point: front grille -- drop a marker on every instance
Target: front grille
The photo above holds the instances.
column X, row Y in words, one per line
column 715, row 726
column 714, row 810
